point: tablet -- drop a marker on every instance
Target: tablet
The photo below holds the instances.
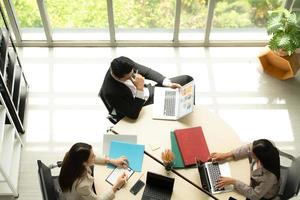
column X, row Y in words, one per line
column 113, row 176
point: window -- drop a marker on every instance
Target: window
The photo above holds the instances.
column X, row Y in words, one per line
column 193, row 19
column 144, row 19
column 78, row 19
column 242, row 19
column 29, row 19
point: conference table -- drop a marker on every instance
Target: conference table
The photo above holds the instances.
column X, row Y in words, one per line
column 220, row 137
column 181, row 189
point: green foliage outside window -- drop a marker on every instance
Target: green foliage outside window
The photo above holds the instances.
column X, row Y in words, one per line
column 146, row 13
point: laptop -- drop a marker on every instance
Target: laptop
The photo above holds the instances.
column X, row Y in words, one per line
column 158, row 187
column 210, row 173
column 108, row 138
column 172, row 104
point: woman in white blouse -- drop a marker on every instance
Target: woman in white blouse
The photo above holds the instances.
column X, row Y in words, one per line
column 75, row 178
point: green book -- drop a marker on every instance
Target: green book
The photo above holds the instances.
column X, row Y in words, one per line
column 178, row 163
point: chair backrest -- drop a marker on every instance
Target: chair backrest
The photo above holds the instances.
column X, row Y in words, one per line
column 290, row 180
column 111, row 118
column 49, row 191
column 293, row 179
column 107, row 105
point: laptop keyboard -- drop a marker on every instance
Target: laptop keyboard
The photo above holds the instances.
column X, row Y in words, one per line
column 169, row 106
column 154, row 193
column 214, row 171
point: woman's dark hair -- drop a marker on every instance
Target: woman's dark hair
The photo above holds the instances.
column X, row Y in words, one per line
column 72, row 166
column 121, row 66
column 268, row 155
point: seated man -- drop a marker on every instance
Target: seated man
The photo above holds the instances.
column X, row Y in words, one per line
column 123, row 90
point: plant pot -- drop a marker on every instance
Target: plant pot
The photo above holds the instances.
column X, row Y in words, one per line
column 281, row 52
column 281, row 67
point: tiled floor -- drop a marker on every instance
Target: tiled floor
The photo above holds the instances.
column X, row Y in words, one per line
column 63, row 106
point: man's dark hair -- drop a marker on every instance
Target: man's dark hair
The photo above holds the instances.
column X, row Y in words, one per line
column 121, row 66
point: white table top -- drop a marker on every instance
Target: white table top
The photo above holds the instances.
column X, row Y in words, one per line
column 181, row 188
column 219, row 136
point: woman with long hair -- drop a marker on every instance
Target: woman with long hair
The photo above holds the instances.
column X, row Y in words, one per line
column 75, row 178
column 265, row 169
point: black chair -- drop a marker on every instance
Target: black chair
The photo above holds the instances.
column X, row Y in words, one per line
column 49, row 184
column 112, row 118
column 290, row 178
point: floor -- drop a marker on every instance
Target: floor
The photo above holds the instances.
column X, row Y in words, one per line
column 63, row 107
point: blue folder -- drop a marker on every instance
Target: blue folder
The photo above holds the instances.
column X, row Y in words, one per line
column 133, row 152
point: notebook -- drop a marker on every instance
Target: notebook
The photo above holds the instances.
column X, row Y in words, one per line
column 178, row 163
column 172, row 104
column 192, row 145
column 210, row 173
column 133, row 152
column 158, row 187
column 108, row 138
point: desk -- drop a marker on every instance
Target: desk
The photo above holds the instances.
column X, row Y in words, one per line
column 219, row 137
column 181, row 188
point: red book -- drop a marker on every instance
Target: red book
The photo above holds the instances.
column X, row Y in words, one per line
column 192, row 144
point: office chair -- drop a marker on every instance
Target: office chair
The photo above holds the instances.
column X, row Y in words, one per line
column 112, row 118
column 49, row 184
column 290, row 178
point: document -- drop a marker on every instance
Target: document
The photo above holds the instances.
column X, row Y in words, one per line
column 114, row 175
column 133, row 152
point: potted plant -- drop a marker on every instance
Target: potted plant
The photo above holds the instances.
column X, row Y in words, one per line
column 284, row 29
column 280, row 59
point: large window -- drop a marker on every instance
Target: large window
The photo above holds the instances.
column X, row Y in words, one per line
column 78, row 19
column 167, row 22
column 29, row 19
column 144, row 19
column 241, row 19
column 193, row 19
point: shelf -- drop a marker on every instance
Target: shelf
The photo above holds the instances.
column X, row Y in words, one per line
column 10, row 71
column 4, row 189
column 2, row 123
column 7, row 149
column 3, row 49
column 23, row 101
column 15, row 164
column 17, row 86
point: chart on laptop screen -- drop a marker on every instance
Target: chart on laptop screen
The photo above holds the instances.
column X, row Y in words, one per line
column 186, row 99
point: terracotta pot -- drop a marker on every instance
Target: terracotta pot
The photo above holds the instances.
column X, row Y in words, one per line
column 281, row 52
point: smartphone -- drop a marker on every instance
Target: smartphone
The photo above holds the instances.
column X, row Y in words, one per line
column 137, row 187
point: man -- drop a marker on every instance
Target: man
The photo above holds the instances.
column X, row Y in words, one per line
column 124, row 92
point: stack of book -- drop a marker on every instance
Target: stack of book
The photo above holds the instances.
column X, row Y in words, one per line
column 188, row 145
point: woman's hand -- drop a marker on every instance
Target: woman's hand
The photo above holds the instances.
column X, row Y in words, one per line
column 214, row 157
column 224, row 181
column 120, row 182
column 120, row 162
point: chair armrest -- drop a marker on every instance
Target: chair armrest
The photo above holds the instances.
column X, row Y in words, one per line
column 286, row 155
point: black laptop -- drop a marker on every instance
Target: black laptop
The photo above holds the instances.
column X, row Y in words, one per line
column 158, row 187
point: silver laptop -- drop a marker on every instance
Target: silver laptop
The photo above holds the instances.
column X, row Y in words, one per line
column 108, row 138
column 172, row 104
column 210, row 174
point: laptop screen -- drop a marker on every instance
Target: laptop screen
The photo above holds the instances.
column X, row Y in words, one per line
column 160, row 181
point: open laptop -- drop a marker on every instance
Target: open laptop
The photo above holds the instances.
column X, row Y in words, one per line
column 210, row 173
column 172, row 104
column 108, row 138
column 158, row 187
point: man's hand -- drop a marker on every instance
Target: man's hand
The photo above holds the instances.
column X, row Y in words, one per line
column 175, row 85
column 138, row 82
